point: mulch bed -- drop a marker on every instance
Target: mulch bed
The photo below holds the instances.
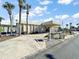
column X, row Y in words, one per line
column 3, row 38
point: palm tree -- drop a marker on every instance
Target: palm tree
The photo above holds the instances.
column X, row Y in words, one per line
column 70, row 28
column 27, row 7
column 70, row 24
column 9, row 7
column 77, row 24
column 20, row 3
column 67, row 26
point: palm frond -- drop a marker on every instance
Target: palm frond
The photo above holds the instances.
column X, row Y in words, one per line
column 8, row 6
column 21, row 3
column 26, row 6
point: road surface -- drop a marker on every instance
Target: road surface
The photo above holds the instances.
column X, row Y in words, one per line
column 67, row 50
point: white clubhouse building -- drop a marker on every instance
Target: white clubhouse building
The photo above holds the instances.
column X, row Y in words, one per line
column 33, row 28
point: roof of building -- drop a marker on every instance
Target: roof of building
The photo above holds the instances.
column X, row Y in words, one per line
column 50, row 24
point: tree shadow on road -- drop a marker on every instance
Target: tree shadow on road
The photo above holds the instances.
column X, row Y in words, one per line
column 47, row 56
column 50, row 56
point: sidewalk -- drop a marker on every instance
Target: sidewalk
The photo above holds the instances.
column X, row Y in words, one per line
column 24, row 46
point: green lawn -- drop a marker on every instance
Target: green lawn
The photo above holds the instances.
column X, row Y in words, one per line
column 1, row 29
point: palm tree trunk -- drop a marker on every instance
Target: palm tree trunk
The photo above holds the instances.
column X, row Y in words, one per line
column 26, row 23
column 11, row 23
column 19, row 20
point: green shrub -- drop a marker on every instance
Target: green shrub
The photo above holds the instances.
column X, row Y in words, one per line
column 1, row 29
column 46, row 36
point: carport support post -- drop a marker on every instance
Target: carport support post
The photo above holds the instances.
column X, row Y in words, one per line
column 49, row 33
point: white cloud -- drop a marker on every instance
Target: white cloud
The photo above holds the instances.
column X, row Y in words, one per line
column 39, row 11
column 67, row 19
column 31, row 14
column 23, row 19
column 65, row 16
column 64, row 1
column 62, row 16
column 56, row 19
column 76, row 15
column 35, row 21
column 44, row 2
column 48, row 19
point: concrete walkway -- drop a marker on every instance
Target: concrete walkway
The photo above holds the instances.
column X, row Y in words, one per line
column 24, row 45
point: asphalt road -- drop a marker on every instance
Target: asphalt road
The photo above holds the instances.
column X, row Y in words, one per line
column 67, row 50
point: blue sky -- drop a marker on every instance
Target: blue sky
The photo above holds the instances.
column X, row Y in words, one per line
column 45, row 10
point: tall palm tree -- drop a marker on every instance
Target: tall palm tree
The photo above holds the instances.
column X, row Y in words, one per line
column 27, row 7
column 70, row 27
column 20, row 3
column 9, row 7
column 67, row 26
